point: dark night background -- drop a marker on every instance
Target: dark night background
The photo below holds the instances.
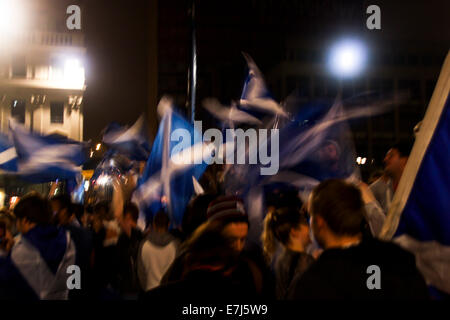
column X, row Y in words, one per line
column 412, row 44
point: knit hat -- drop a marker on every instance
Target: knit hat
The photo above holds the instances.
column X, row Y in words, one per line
column 227, row 207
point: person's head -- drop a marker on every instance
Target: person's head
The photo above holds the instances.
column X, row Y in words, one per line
column 8, row 219
column 337, row 212
column 61, row 206
column 161, row 221
column 130, row 217
column 287, row 225
column 230, row 213
column 102, row 210
column 195, row 213
column 396, row 158
column 209, row 248
column 32, row 210
column 329, row 152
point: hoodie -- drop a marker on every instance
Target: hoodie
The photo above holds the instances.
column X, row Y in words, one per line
column 156, row 254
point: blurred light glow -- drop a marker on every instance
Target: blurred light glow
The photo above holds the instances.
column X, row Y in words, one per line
column 2, row 198
column 13, row 201
column 73, row 73
column 99, row 145
column 347, row 58
column 358, row 160
column 103, row 180
column 11, row 17
column 86, row 185
column 363, row 160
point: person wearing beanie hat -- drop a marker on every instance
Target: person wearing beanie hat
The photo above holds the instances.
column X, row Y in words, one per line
column 231, row 212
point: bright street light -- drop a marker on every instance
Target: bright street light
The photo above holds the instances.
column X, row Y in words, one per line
column 347, row 58
column 73, row 73
column 99, row 145
column 12, row 16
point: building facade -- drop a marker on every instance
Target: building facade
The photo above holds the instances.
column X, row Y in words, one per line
column 42, row 79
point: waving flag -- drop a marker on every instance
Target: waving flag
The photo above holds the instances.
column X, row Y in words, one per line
column 8, row 155
column 131, row 142
column 166, row 183
column 46, row 158
column 419, row 216
column 255, row 95
column 229, row 115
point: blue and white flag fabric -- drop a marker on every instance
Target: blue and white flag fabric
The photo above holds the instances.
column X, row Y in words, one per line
column 255, row 97
column 8, row 155
column 131, row 142
column 46, row 158
column 167, row 183
column 419, row 216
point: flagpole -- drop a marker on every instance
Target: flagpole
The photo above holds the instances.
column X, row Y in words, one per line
column 192, row 71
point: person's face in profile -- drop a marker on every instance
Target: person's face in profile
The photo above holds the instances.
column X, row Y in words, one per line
column 237, row 233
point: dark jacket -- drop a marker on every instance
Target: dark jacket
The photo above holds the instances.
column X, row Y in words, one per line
column 290, row 265
column 126, row 262
column 343, row 274
column 204, row 285
column 84, row 245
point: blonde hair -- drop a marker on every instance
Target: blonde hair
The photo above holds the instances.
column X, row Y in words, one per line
column 277, row 227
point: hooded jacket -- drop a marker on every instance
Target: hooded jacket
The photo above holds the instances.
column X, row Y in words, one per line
column 156, row 254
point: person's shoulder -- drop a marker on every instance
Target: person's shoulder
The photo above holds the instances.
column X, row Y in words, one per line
column 388, row 248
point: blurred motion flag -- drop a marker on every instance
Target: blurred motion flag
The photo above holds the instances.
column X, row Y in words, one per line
column 419, row 216
column 131, row 142
column 255, row 96
column 165, row 184
column 8, row 155
column 46, row 158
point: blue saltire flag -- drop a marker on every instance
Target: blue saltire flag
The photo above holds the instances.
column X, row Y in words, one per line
column 256, row 98
column 419, row 216
column 131, row 142
column 47, row 158
column 8, row 155
column 165, row 184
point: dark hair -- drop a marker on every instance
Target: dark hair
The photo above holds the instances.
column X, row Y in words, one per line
column 195, row 213
column 341, row 206
column 161, row 219
column 64, row 201
column 208, row 246
column 277, row 226
column 102, row 205
column 34, row 208
column 403, row 147
column 132, row 209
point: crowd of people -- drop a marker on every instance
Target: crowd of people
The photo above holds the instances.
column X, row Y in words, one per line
column 320, row 249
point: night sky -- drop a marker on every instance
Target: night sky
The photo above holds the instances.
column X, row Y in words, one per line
column 116, row 63
column 116, row 37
